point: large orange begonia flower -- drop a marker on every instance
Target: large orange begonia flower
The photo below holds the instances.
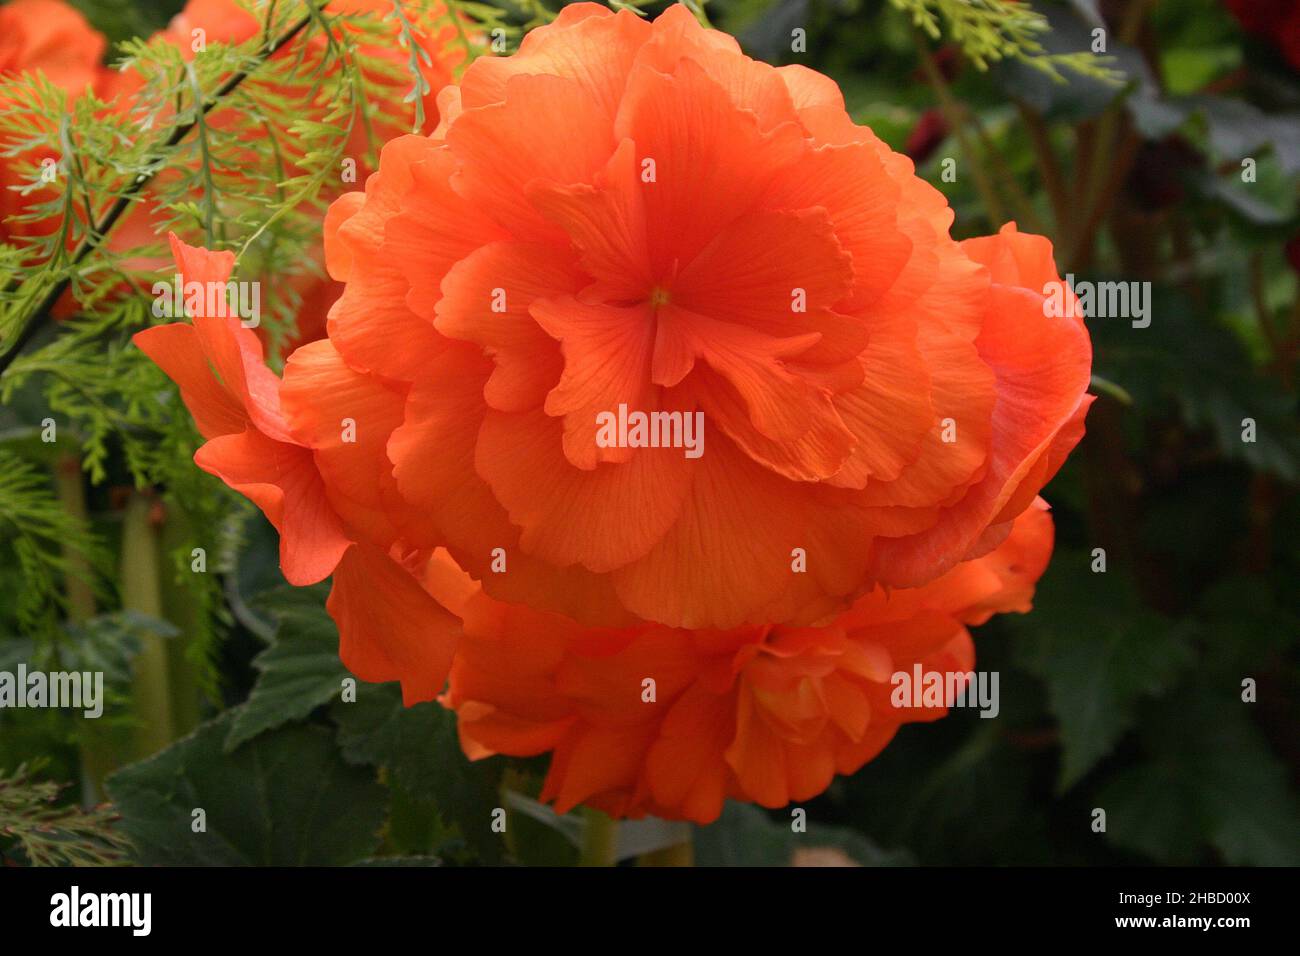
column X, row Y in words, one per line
column 766, row 715
column 628, row 215
column 763, row 713
column 637, row 216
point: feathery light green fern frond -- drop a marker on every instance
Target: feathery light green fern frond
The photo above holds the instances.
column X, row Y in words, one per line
column 992, row 30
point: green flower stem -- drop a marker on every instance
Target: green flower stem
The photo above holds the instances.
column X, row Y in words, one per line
column 952, row 112
column 181, row 610
column 512, row 780
column 1113, row 151
column 1023, row 206
column 599, row 839
column 141, row 592
column 683, row 854
column 72, row 495
column 1049, row 168
column 95, row 749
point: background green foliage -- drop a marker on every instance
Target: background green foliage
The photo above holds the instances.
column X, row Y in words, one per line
column 1121, row 691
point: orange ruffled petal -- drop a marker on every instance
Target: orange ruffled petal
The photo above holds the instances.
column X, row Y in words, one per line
column 235, row 401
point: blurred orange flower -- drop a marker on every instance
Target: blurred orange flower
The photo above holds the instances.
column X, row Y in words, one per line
column 767, row 715
column 202, row 22
column 52, row 38
column 226, row 21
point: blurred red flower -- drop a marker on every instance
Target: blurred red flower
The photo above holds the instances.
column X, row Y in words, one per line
column 1276, row 21
column 930, row 130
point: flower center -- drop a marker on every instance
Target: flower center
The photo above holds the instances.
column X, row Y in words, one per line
column 658, row 296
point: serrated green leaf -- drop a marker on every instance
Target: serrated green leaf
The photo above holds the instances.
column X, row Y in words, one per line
column 1238, row 129
column 1212, row 781
column 299, row 672
column 1099, row 653
column 283, row 799
column 420, row 749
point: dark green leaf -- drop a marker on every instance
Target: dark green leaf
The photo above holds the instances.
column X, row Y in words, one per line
column 1212, row 780
column 1078, row 97
column 420, row 749
column 283, row 799
column 300, row 671
column 1099, row 654
column 746, row 836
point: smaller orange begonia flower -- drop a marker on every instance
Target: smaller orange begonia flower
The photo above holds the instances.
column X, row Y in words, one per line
column 52, row 37
column 672, row 722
